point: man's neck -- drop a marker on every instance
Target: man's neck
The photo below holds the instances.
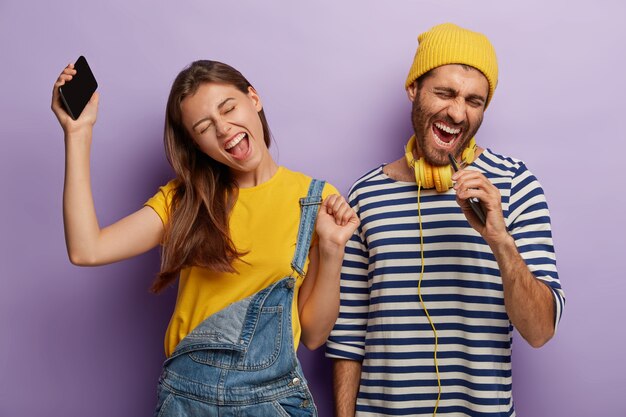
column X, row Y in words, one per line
column 399, row 171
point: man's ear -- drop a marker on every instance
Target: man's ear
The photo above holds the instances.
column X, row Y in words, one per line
column 254, row 97
column 411, row 91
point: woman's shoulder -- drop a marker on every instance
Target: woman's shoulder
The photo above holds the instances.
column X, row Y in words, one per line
column 161, row 200
column 303, row 181
column 171, row 185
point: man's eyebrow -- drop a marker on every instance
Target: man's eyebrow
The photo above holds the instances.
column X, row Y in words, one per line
column 453, row 91
column 219, row 106
column 446, row 89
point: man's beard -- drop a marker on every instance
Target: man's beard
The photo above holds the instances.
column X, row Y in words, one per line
column 422, row 126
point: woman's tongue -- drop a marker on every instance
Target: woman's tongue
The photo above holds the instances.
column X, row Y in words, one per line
column 240, row 150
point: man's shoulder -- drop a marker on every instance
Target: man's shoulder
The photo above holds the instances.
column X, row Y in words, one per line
column 499, row 165
column 370, row 177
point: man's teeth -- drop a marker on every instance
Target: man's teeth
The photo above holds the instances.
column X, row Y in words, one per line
column 235, row 141
column 441, row 143
column 447, row 129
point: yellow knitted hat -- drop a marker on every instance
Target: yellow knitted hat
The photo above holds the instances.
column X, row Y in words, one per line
column 450, row 44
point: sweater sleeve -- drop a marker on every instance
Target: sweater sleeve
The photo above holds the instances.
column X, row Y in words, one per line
column 529, row 224
column 347, row 339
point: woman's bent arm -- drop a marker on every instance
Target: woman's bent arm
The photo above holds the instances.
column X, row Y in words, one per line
column 318, row 301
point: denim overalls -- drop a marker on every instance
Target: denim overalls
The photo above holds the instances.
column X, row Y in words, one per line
column 241, row 360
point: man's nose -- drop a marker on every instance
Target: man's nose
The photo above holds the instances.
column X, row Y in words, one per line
column 457, row 110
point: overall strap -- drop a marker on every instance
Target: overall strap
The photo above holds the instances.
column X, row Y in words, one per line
column 309, row 207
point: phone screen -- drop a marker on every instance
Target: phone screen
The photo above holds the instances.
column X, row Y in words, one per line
column 76, row 93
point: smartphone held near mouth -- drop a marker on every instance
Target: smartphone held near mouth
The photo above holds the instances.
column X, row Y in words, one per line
column 473, row 201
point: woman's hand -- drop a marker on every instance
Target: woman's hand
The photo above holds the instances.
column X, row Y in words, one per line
column 336, row 221
column 87, row 118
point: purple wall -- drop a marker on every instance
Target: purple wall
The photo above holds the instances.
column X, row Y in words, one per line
column 88, row 341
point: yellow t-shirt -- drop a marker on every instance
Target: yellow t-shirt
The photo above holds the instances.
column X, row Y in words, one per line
column 264, row 223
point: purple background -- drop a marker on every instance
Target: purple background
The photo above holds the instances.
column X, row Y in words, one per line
column 88, row 341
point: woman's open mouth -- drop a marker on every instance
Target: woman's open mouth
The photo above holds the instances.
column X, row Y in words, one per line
column 238, row 146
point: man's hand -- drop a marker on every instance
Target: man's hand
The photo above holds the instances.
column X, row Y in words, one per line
column 469, row 184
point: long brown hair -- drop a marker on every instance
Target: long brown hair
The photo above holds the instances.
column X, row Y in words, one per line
column 197, row 231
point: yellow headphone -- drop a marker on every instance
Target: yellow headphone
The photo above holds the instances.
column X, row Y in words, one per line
column 438, row 177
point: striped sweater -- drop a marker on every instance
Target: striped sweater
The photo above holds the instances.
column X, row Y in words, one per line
column 381, row 322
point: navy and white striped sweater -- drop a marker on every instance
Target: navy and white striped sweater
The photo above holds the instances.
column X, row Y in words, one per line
column 381, row 322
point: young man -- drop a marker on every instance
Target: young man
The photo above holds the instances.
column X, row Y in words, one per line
column 430, row 292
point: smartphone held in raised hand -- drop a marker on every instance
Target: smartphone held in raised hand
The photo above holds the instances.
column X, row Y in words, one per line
column 76, row 93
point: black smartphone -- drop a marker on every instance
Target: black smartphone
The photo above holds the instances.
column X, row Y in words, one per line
column 473, row 201
column 76, row 93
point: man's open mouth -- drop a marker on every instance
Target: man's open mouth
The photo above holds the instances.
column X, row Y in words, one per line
column 445, row 135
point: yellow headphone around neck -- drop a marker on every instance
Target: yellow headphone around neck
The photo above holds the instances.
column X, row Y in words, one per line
column 438, row 177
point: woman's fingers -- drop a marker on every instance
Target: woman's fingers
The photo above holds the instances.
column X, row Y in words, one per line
column 66, row 75
column 339, row 208
column 88, row 115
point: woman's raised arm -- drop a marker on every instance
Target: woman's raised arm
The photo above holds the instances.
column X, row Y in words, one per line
column 87, row 243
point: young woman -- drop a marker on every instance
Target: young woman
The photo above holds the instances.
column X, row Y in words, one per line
column 258, row 248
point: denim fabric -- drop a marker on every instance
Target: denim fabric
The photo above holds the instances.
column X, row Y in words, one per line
column 309, row 206
column 241, row 361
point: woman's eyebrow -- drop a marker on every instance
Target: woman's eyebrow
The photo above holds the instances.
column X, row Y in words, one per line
column 223, row 103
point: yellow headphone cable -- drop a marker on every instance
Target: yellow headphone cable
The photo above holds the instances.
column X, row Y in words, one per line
column 441, row 179
column 419, row 294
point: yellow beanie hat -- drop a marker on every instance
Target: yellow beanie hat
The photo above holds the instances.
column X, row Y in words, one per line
column 450, row 44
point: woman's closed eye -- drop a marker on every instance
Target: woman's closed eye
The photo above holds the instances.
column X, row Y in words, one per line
column 205, row 128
